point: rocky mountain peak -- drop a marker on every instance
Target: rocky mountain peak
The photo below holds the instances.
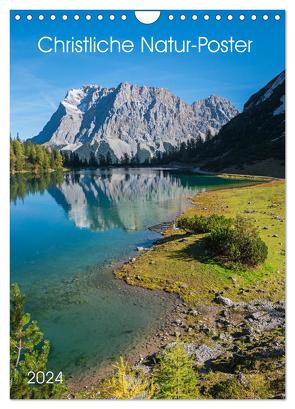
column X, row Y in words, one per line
column 269, row 91
column 254, row 139
column 129, row 120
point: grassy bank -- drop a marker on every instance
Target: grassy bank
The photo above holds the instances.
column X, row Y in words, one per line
column 178, row 263
column 245, row 341
column 237, row 345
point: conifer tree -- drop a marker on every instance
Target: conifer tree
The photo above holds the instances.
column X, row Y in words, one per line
column 28, row 352
column 40, row 157
column 65, row 158
column 92, row 160
column 33, row 154
column 46, row 161
column 58, row 160
column 33, row 158
column 127, row 383
column 102, row 160
column 52, row 160
column 19, row 154
column 109, row 159
column 12, row 158
column 174, row 376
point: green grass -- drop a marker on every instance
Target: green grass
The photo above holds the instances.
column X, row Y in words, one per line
column 178, row 262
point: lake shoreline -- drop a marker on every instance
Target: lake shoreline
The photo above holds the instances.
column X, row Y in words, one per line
column 143, row 250
column 167, row 330
column 154, row 341
column 151, row 344
column 185, row 314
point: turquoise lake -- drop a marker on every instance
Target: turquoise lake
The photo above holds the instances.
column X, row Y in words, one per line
column 67, row 231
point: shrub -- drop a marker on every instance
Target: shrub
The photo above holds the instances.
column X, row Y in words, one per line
column 196, row 224
column 238, row 242
column 202, row 224
column 254, row 386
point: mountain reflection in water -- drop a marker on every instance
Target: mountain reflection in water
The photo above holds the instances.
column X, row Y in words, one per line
column 130, row 199
column 68, row 230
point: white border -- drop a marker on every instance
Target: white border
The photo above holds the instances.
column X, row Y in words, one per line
column 5, row 6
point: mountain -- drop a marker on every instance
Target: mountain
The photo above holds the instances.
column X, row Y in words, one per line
column 253, row 141
column 131, row 121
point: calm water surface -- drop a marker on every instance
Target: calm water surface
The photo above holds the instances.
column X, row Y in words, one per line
column 67, row 230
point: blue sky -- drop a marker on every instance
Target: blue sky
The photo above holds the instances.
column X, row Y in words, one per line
column 39, row 81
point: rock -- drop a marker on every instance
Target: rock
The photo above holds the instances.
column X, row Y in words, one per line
column 242, row 379
column 265, row 315
column 224, row 313
column 247, row 331
column 139, row 248
column 256, row 315
column 177, row 322
column 144, row 368
column 205, row 353
column 190, row 348
column 249, row 211
column 194, row 313
column 204, row 328
column 223, row 322
column 234, row 280
column 224, row 336
column 223, row 300
column 96, row 120
column 272, row 352
column 275, row 235
column 243, row 290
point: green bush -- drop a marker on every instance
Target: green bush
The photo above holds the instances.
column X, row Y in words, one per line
column 202, row 224
column 237, row 242
column 255, row 386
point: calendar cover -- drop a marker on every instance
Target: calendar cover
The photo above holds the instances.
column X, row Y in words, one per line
column 147, row 163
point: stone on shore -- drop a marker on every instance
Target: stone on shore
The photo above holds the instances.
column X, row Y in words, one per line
column 223, row 300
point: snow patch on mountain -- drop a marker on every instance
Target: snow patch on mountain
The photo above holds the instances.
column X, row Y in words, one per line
column 280, row 109
column 268, row 93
